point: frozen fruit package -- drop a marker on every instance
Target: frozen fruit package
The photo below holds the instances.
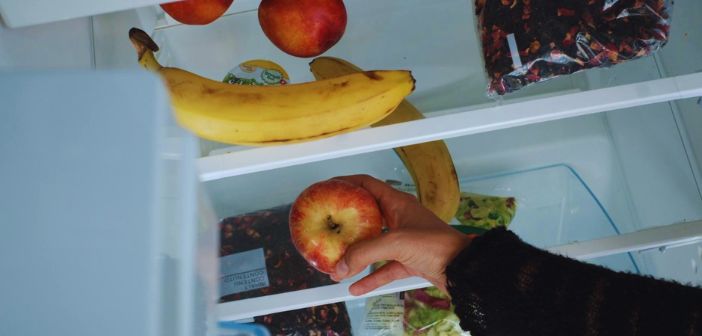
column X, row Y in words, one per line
column 326, row 320
column 529, row 41
column 257, row 257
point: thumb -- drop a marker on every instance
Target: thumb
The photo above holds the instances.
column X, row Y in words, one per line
column 363, row 253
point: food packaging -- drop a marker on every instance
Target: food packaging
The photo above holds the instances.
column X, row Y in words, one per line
column 257, row 257
column 326, row 320
column 257, row 72
column 425, row 311
column 485, row 212
column 529, row 41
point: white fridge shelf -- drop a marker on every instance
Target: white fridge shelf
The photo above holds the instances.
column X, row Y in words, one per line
column 452, row 124
column 671, row 235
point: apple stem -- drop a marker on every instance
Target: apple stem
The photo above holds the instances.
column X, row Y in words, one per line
column 336, row 227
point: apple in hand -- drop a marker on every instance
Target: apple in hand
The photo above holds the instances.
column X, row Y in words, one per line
column 196, row 12
column 329, row 216
column 303, row 28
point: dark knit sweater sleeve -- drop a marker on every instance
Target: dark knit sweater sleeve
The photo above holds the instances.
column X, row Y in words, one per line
column 503, row 286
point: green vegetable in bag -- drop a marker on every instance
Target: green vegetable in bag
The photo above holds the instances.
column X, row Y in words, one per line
column 485, row 212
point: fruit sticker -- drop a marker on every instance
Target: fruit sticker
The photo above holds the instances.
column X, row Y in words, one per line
column 257, row 72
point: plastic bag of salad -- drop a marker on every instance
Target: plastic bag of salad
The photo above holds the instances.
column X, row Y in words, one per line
column 428, row 311
column 485, row 212
column 419, row 312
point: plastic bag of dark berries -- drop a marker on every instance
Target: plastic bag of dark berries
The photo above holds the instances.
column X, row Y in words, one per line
column 326, row 320
column 530, row 41
column 258, row 258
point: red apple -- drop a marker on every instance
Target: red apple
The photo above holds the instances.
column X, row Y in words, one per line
column 303, row 28
column 196, row 12
column 329, row 216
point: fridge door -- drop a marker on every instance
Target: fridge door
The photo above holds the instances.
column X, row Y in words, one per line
column 102, row 231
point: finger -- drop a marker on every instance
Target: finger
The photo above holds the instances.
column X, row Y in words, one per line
column 392, row 202
column 363, row 253
column 382, row 191
column 388, row 273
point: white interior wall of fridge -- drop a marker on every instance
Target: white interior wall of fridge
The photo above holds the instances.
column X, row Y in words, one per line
column 60, row 45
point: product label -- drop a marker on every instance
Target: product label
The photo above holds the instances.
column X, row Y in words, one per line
column 384, row 315
column 241, row 272
column 257, row 72
column 514, row 51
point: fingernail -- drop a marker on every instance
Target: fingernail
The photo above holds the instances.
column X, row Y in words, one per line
column 341, row 268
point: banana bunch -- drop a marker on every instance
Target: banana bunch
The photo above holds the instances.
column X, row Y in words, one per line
column 429, row 164
column 255, row 115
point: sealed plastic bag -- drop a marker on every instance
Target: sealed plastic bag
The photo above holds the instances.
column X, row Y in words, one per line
column 485, row 212
column 325, row 320
column 257, row 257
column 429, row 312
column 383, row 316
column 529, row 41
column 418, row 312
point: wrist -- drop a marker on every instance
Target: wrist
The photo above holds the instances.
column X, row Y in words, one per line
column 456, row 245
column 461, row 243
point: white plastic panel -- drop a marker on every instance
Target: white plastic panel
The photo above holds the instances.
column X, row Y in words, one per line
column 71, row 205
column 658, row 172
column 19, row 13
column 689, row 120
column 682, row 55
column 679, row 263
column 668, row 236
column 98, row 228
column 59, row 45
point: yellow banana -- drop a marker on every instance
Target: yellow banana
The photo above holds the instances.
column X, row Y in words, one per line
column 254, row 115
column 429, row 164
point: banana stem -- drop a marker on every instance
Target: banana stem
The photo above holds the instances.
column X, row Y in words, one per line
column 145, row 48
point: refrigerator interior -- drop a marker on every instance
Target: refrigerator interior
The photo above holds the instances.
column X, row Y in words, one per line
column 643, row 164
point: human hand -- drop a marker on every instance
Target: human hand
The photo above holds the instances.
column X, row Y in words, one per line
column 417, row 243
